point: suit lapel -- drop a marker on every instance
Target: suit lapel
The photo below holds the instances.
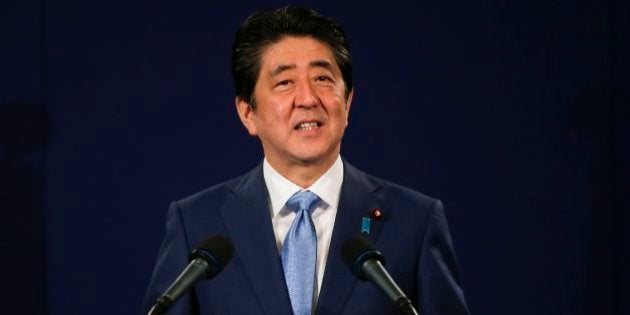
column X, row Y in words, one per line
column 248, row 222
column 356, row 201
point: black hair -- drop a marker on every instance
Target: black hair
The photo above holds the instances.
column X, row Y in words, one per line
column 264, row 28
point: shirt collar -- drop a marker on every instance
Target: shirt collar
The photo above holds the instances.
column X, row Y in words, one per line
column 327, row 187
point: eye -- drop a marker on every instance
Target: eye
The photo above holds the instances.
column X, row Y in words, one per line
column 324, row 78
column 283, row 85
column 283, row 82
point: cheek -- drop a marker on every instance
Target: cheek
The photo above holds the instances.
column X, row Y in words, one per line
column 273, row 120
column 339, row 118
column 274, row 109
column 340, row 107
column 284, row 112
column 280, row 112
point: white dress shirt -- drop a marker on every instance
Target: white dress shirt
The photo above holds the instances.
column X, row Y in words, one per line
column 327, row 188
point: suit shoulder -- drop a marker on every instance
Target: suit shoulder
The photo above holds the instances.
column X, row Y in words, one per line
column 213, row 196
column 398, row 194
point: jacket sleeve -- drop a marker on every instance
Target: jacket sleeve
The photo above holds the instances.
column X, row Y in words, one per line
column 171, row 260
column 440, row 291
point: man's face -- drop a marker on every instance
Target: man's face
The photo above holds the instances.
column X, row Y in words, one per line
column 301, row 109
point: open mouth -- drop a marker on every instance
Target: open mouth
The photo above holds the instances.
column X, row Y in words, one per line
column 307, row 125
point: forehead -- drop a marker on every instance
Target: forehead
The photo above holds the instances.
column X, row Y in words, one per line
column 296, row 51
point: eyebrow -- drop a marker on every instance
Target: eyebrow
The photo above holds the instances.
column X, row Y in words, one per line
column 281, row 68
column 313, row 64
column 321, row 64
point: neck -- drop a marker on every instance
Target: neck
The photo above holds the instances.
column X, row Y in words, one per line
column 303, row 174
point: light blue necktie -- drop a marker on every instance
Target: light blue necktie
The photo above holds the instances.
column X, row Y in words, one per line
column 299, row 253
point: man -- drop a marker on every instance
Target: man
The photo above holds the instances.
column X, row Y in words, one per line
column 288, row 217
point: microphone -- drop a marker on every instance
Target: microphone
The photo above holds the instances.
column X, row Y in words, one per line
column 367, row 263
column 206, row 261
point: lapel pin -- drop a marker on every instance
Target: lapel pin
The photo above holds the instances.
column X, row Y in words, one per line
column 365, row 225
column 376, row 214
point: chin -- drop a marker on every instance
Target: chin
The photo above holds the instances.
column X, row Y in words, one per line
column 314, row 157
column 308, row 159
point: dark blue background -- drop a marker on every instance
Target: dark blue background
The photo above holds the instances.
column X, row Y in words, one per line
column 516, row 115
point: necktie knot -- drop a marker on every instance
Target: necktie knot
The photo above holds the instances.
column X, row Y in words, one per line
column 302, row 201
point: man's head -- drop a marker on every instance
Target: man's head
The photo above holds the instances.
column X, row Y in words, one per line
column 264, row 28
column 292, row 71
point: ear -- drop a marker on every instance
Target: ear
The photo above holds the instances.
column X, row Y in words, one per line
column 246, row 114
column 348, row 104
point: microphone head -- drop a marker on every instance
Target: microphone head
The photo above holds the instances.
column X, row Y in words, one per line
column 216, row 251
column 356, row 251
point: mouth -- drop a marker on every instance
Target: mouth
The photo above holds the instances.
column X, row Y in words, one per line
column 307, row 125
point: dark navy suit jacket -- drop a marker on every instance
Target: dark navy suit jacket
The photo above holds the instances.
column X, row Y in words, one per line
column 413, row 235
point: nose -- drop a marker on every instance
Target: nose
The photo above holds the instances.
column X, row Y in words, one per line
column 306, row 96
